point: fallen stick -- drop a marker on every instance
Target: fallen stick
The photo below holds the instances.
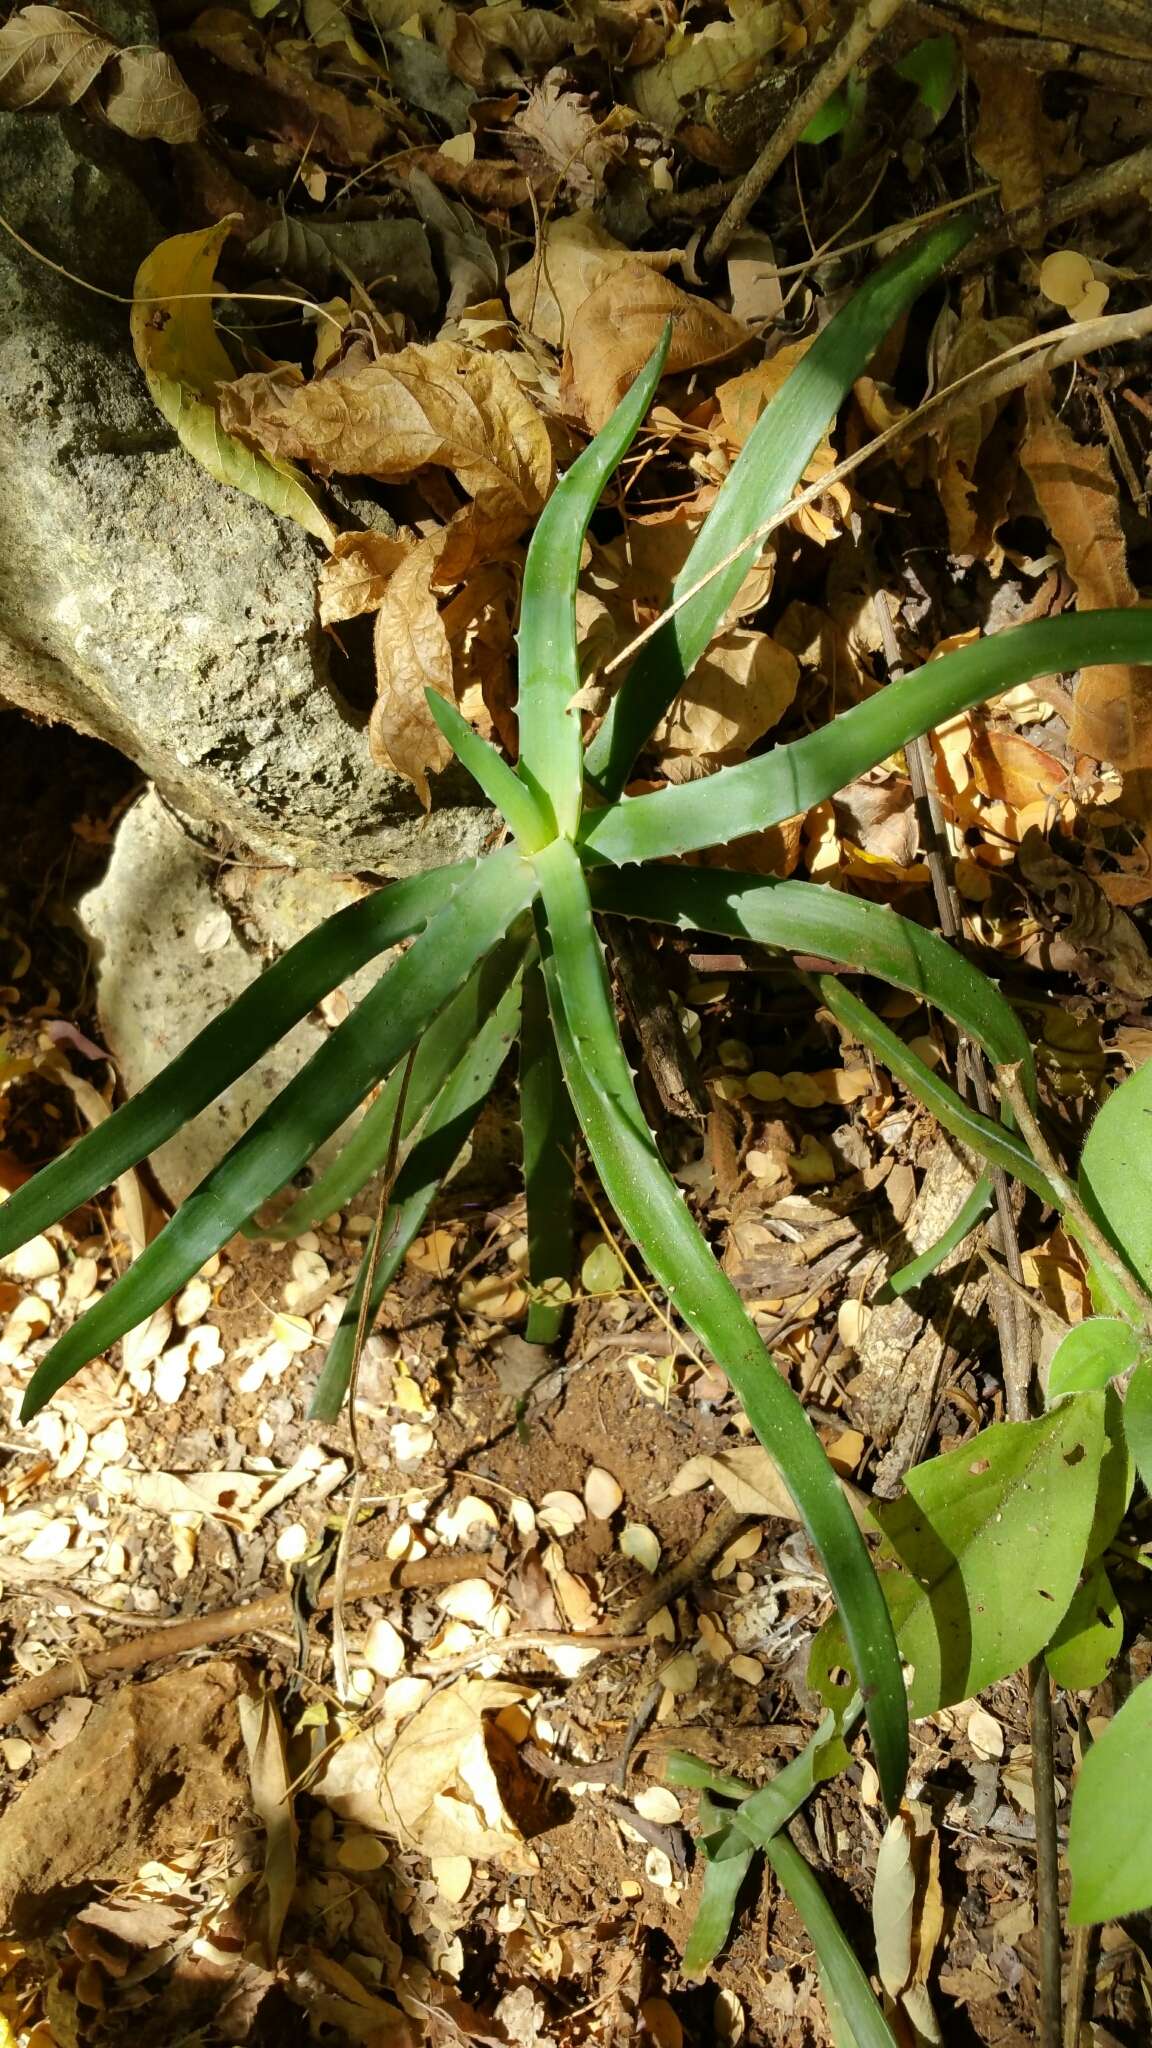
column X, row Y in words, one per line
column 174, row 1639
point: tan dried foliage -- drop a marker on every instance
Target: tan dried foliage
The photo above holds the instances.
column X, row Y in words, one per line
column 1015, row 141
column 739, row 690
column 1076, row 490
column 413, row 654
column 572, row 257
column 620, row 323
column 50, row 58
column 973, row 495
column 355, row 576
column 578, row 147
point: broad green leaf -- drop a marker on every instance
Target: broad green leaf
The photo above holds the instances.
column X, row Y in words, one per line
column 357, row 1055
column 993, row 1538
column 788, row 780
column 226, row 1048
column 435, row 1152
column 1114, row 1487
column 1088, row 1639
column 653, row 1212
column 1137, row 1418
column 549, row 1133
column 184, row 362
column 1091, row 1355
column 440, row 1050
column 551, row 748
column 1116, row 1166
column 761, row 481
column 1110, row 1835
column 995, row 1535
column 933, row 67
column 801, row 917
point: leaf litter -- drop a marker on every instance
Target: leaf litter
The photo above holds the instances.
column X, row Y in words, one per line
column 546, row 170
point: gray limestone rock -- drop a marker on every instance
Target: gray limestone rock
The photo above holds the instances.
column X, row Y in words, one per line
column 142, row 602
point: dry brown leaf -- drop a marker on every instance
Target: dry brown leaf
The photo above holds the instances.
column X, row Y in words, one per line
column 746, row 1476
column 479, row 41
column 263, row 1734
column 574, row 255
column 738, row 691
column 973, row 498
column 1077, row 494
column 310, row 117
column 1013, row 771
column 719, row 58
column 434, row 1788
column 144, row 94
column 355, row 576
column 742, row 399
column 1015, row 141
column 413, row 654
column 577, row 146
column 432, row 405
column 49, row 58
column 620, row 323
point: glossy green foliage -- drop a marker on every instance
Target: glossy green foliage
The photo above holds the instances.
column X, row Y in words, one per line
column 1116, row 1168
column 1110, row 1837
column 989, row 1566
column 1138, row 1419
column 1091, row 1355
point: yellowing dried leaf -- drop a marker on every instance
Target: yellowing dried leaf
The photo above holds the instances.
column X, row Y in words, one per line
column 739, row 690
column 742, row 399
column 620, row 323
column 573, row 141
column 719, row 58
column 413, row 654
column 1013, row 771
column 746, row 1476
column 433, row 1788
column 959, row 446
column 185, row 364
column 1077, row 494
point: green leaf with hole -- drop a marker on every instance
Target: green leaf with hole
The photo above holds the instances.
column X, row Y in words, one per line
column 1088, row 1639
column 1116, row 1170
column 1091, row 1355
column 992, row 1538
column 1110, row 1835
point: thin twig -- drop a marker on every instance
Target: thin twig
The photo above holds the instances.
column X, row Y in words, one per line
column 722, row 1530
column 1047, row 1850
column 174, row 1637
column 1026, row 226
column 864, row 25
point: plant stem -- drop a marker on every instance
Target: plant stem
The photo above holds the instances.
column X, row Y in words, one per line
column 864, row 25
column 1047, row 1851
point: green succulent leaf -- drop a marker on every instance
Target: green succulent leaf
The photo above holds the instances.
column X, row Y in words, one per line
column 551, row 747
column 433, row 1155
column 844, row 1978
column 549, row 1131
column 527, row 812
column 787, row 781
column 653, row 1212
column 361, row 1052
column 226, row 1048
column 761, row 481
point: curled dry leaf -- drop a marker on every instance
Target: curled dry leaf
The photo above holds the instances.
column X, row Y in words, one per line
column 1077, row 494
column 1015, row 141
column 572, row 256
column 433, row 1788
column 574, row 143
column 355, row 576
column 720, row 58
column 746, row 1476
column 620, row 323
column 49, row 59
column 184, row 363
column 272, row 1798
column 413, row 654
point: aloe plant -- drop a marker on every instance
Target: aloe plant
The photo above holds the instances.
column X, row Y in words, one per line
column 510, row 943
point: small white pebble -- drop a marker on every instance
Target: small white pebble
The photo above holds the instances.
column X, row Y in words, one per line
column 292, row 1543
